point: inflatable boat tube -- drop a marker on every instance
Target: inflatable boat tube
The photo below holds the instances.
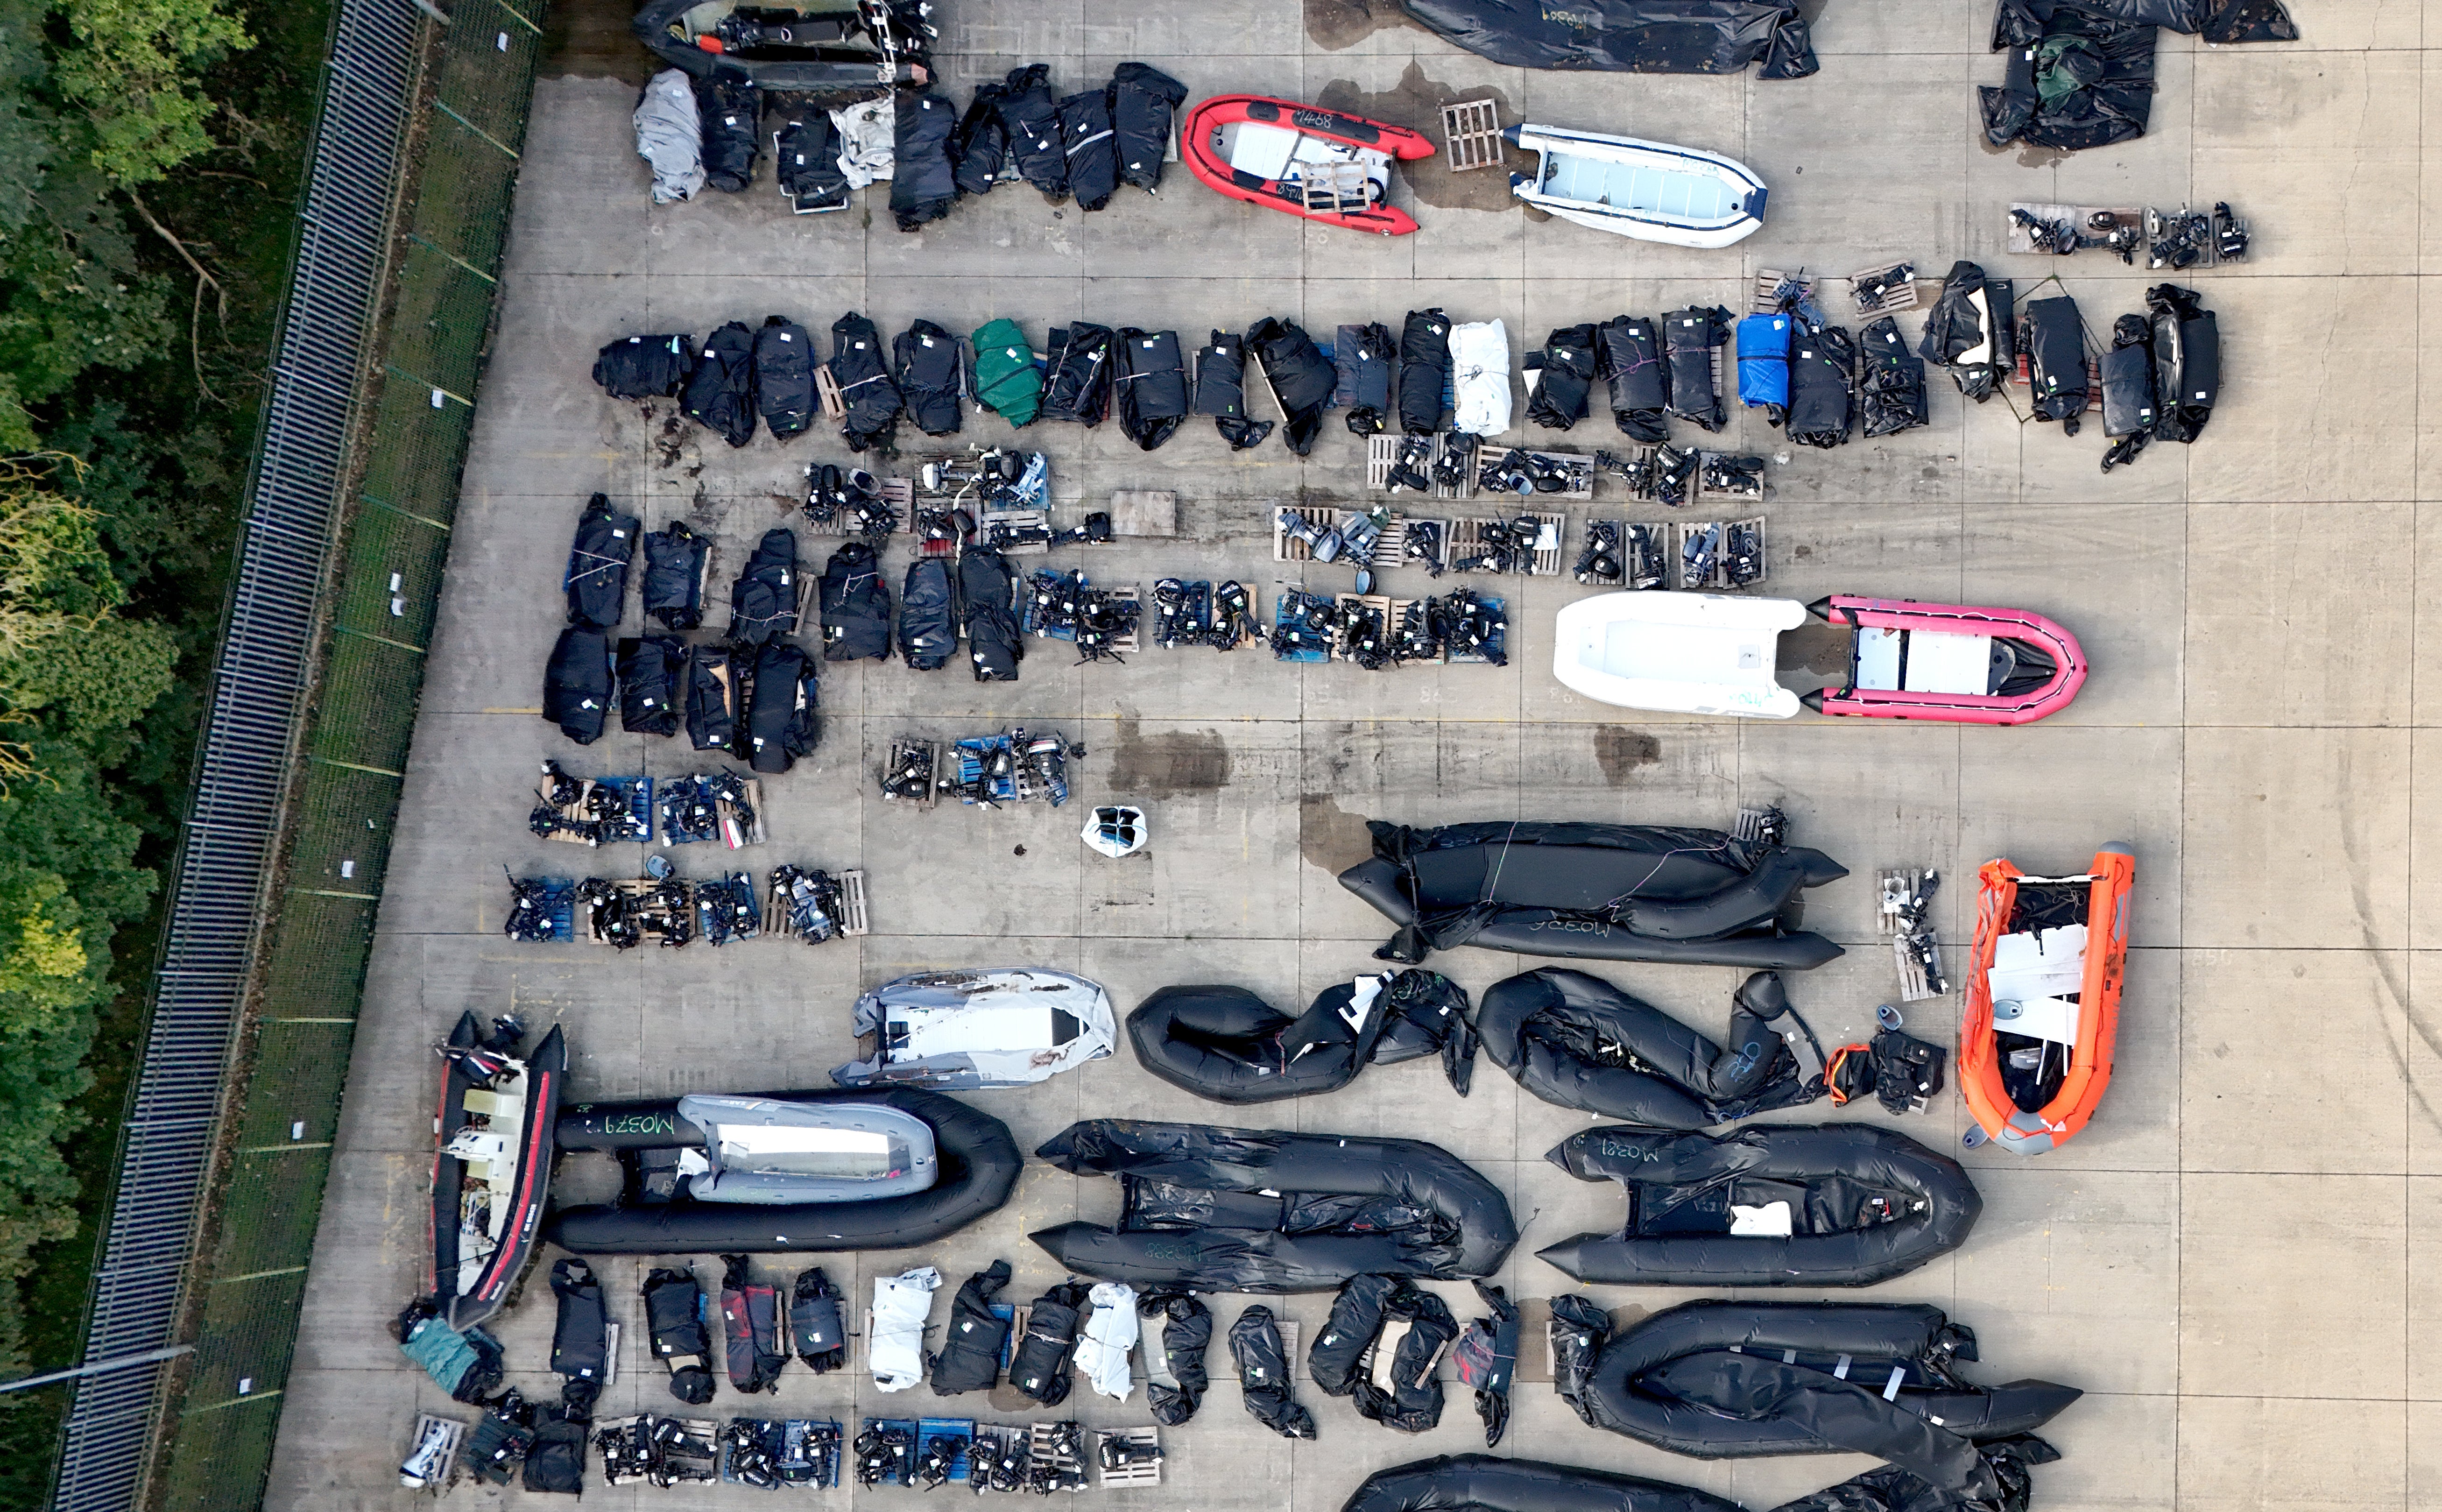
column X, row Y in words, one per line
column 1259, row 150
column 2043, row 998
column 1452, row 1482
column 959, row 1030
column 1955, row 663
column 1226, row 1043
column 1258, row 1209
column 1787, row 1205
column 491, row 1169
column 1592, row 891
column 1733, row 1379
column 978, row 1165
column 1578, row 1042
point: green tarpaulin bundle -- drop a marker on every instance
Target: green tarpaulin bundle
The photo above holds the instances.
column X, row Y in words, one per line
column 1007, row 380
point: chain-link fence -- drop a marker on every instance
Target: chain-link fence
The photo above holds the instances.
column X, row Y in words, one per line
column 458, row 94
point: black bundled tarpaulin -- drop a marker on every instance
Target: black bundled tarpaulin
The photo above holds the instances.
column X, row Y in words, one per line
column 923, row 184
column 749, row 1318
column 653, row 677
column 713, row 699
column 864, row 377
column 1221, row 391
column 2187, row 361
column 1402, row 1390
column 1778, row 1205
column 1080, row 362
column 645, row 367
column 1261, row 1209
column 1264, row 1381
column 1630, row 363
column 816, row 1331
column 1730, row 1379
column 928, row 627
column 1424, row 371
column 577, row 683
column 972, row 1340
column 2074, row 77
column 979, row 148
column 1690, row 337
column 1484, row 1483
column 1630, row 36
column 1968, row 331
column 931, row 377
column 556, row 1462
column 1363, row 358
column 1612, row 892
column 1032, row 117
column 1890, row 1489
column 1150, row 385
column 1039, row 1366
column 1228, row 1045
column 2128, row 406
column 784, row 377
column 1091, row 146
column 1577, row 1041
column 763, row 601
column 674, row 1322
column 855, row 605
column 806, row 159
column 1564, row 375
column 732, row 113
column 784, row 717
column 581, row 1343
column 597, row 579
column 1186, row 1333
column 1143, row 99
column 1890, row 396
column 673, row 588
column 2055, row 342
column 1485, row 1358
column 720, row 390
column 988, row 598
column 1580, row 1329
column 1300, row 380
column 1822, row 386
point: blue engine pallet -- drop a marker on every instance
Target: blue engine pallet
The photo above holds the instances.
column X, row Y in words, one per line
column 809, row 1453
column 559, row 902
column 905, row 1474
column 961, row 1428
column 638, row 792
column 976, row 754
column 1499, row 638
column 1307, row 613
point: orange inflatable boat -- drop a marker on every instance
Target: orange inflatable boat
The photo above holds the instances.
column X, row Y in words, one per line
column 2043, row 998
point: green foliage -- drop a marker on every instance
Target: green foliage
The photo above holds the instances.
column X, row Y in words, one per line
column 134, row 69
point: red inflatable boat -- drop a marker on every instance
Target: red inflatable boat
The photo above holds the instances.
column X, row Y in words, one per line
column 1300, row 159
column 1951, row 663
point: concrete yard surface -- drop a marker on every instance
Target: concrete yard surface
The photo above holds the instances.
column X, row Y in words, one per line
column 2235, row 1262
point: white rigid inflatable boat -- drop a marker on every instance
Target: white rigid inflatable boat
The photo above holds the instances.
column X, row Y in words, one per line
column 1680, row 653
column 1650, row 191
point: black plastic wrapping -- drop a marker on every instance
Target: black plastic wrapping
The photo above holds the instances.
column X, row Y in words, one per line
column 1975, row 344
column 1221, row 391
column 763, row 601
column 1091, row 147
column 2128, row 406
column 1579, row 1330
column 1689, row 337
column 1822, row 386
column 2078, row 74
column 1149, row 385
column 580, row 1339
column 1486, row 1359
column 556, row 1462
column 1332, row 1361
column 1195, row 1212
column 784, row 377
column 1629, row 360
column 503, row 1436
column 597, row 579
column 1866, row 1205
column 652, row 683
column 979, row 148
column 1186, row 1335
column 750, row 1321
column 1365, row 1308
column 2187, row 361
column 928, row 627
column 855, row 605
column 2056, row 337
column 1567, row 376
column 645, row 367
column 865, row 388
column 674, row 1324
column 1891, row 383
column 1143, row 99
column 930, row 383
column 1039, row 1367
column 715, row 700
column 1362, row 358
column 1226, row 1043
column 731, row 112
column 816, row 1331
column 673, row 586
column 1424, row 371
column 1079, row 384
column 720, row 390
column 923, row 184
column 784, row 716
column 1893, row 1489
column 1630, row 36
column 1482, row 1482
column 806, row 161
column 1300, row 378
column 1264, row 1381
column 576, row 686
column 986, row 597
column 1032, row 117
column 972, row 1339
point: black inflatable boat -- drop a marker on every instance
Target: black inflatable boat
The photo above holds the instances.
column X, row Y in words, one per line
column 1258, row 1209
column 1577, row 1041
column 1226, row 1043
column 848, row 50
column 1598, row 891
column 1730, row 1379
column 1784, row 1205
column 1451, row 1481
column 882, row 1168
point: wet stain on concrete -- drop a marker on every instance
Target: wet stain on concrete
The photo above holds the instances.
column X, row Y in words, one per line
column 1332, row 25
column 1416, row 102
column 1815, row 648
column 1619, row 750
column 1167, row 763
column 1329, row 836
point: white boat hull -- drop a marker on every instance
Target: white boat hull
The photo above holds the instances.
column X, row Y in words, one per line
column 1677, row 653
column 1679, row 196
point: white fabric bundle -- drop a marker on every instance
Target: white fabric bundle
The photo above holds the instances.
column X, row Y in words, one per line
column 900, row 1306
column 1479, row 378
column 1110, row 1333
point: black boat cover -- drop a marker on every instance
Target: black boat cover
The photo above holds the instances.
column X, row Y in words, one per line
column 972, row 1340
column 720, row 390
column 1580, row 1327
column 557, row 1461
column 731, row 110
column 674, row 1321
column 806, row 159
column 713, row 699
column 979, row 148
column 1968, row 331
column 784, row 377
column 1150, row 383
column 2187, row 361
column 1691, row 336
column 979, row 1166
column 1890, row 1489
column 1143, row 98
column 1363, row 358
column 816, row 1331
column 763, row 600
column 1424, row 371
column 931, row 377
column 1611, row 892
column 673, row 590
column 1091, row 147
column 1891, row 383
column 923, row 184
column 1300, row 378
column 1406, row 1394
column 1080, row 386
column 2055, row 341
column 1577, row 1041
column 2128, row 406
column 1186, row 1333
column 1729, row 1379
column 1485, row 1358
column 855, row 606
column 652, row 683
column 1630, row 363
column 1226, row 1043
column 1776, row 1205
column 988, row 596
column 928, row 627
column 783, row 720
column 749, row 1318
column 580, row 1339
column 1565, row 374
column 863, row 379
column 577, row 685
column 1032, row 117
column 1039, row 1366
column 1256, row 1209
column 645, row 367
column 1221, row 391
column 1264, row 1381
column 1822, row 386
column 597, row 580
column 883, row 42
column 1630, row 36
column 1484, row 1483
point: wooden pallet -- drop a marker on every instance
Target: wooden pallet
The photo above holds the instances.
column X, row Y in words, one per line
column 1388, row 607
column 1472, row 134
column 1897, row 887
column 1466, row 534
column 2023, row 378
column 1719, row 580
column 1334, row 189
column 900, row 751
column 1584, row 460
column 828, row 390
column 1149, row 1438
column 1761, row 300
column 2022, row 240
column 1017, row 520
column 1700, row 491
column 1383, row 452
column 1596, row 579
column 637, row 792
column 1899, row 296
column 1043, row 1448
column 453, row 1434
column 638, row 887
column 854, row 916
column 1133, row 641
